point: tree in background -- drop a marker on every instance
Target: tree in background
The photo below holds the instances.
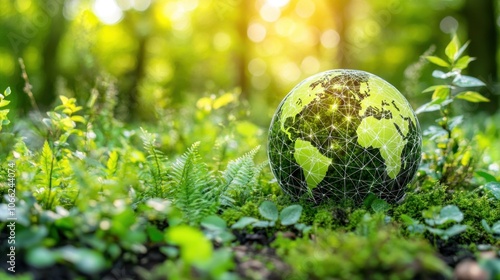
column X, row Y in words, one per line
column 167, row 52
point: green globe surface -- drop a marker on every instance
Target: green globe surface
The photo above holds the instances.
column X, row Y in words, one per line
column 342, row 134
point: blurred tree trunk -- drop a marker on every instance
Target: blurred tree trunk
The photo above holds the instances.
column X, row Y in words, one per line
column 55, row 31
column 242, row 52
column 136, row 76
column 481, row 29
column 339, row 10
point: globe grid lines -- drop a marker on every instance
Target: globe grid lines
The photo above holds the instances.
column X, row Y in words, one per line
column 329, row 122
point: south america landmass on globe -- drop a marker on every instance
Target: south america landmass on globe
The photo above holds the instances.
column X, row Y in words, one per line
column 344, row 134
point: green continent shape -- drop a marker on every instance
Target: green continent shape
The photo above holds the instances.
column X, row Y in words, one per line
column 314, row 164
column 301, row 96
column 383, row 134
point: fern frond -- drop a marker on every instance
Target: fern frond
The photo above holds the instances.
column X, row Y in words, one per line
column 240, row 178
column 192, row 186
column 155, row 161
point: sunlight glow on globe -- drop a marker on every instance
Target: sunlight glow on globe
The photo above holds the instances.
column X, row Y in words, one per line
column 342, row 134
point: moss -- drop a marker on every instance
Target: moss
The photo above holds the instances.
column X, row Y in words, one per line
column 231, row 215
column 475, row 207
column 380, row 255
column 416, row 202
column 323, row 218
column 250, row 209
column 355, row 218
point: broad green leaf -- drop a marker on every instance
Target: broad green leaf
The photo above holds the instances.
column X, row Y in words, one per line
column 290, row 215
column 64, row 99
column 465, row 160
column 154, row 234
column 440, row 74
column 4, row 102
column 263, row 224
column 485, row 225
column 85, row 260
column 194, row 247
column 435, row 132
column 494, row 188
column 437, row 231
column 416, row 228
column 244, row 222
column 79, row 119
column 40, row 257
column 485, row 175
column 462, row 49
column 380, row 205
column 408, row 220
column 269, row 210
column 455, row 121
column 440, row 94
column 451, row 50
column 463, row 62
column 438, row 61
column 214, row 223
column 427, row 107
column 449, row 213
column 223, row 100
column 467, row 81
column 433, row 88
column 472, row 96
column 496, row 227
column 454, row 230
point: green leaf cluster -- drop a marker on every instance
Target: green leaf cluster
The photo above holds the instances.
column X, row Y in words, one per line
column 288, row 216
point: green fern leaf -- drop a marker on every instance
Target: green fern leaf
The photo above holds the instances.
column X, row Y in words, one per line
column 192, row 186
column 155, row 161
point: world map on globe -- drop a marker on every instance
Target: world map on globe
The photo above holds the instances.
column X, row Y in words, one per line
column 343, row 134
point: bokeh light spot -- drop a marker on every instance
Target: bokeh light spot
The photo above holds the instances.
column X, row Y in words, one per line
column 108, row 11
column 277, row 3
column 285, row 26
column 448, row 24
column 256, row 32
column 290, row 72
column 222, row 41
column 330, row 39
column 257, row 67
column 305, row 8
column 269, row 13
column 310, row 64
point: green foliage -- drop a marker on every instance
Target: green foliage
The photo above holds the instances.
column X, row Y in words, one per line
column 97, row 196
column 380, row 255
column 3, row 113
column 493, row 188
column 156, row 158
column 240, row 179
column 288, row 216
column 437, row 219
column 192, row 188
column 453, row 162
column 494, row 230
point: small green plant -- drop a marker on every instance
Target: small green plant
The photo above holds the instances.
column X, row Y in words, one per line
column 215, row 229
column 436, row 220
column 155, row 159
column 287, row 217
column 3, row 113
column 493, row 188
column 453, row 162
column 494, row 230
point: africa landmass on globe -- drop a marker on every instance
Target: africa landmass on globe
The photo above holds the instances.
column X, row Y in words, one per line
column 344, row 134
